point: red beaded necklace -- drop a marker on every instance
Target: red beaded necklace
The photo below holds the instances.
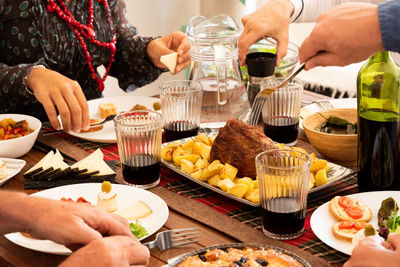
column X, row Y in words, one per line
column 82, row 31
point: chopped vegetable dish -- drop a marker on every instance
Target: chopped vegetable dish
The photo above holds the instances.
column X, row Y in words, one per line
column 10, row 129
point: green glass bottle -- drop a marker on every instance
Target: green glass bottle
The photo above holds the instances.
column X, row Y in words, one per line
column 378, row 101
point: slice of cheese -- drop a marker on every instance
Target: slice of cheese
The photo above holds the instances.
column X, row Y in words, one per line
column 136, row 211
column 170, row 61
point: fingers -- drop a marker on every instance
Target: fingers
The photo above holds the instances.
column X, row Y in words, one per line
column 308, row 49
column 246, row 39
column 83, row 105
column 394, row 240
column 63, row 110
column 55, row 91
column 281, row 48
column 107, row 224
column 51, row 112
column 138, row 255
column 74, row 109
column 183, row 52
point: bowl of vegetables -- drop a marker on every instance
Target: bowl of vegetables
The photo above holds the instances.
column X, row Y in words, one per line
column 18, row 133
column 333, row 133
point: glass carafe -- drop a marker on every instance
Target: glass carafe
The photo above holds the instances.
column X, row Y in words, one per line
column 216, row 66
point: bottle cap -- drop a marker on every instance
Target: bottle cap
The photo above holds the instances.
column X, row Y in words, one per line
column 260, row 64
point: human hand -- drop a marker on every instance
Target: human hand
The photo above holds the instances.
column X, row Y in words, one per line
column 374, row 251
column 70, row 224
column 173, row 42
column 270, row 20
column 54, row 90
column 110, row 251
column 348, row 33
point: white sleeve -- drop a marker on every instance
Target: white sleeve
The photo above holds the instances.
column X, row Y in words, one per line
column 309, row 10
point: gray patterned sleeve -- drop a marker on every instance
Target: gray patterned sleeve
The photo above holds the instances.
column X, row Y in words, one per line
column 131, row 65
column 12, row 90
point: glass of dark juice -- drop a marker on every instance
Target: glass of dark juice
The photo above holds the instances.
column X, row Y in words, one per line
column 283, row 182
column 139, row 146
column 181, row 108
column 281, row 111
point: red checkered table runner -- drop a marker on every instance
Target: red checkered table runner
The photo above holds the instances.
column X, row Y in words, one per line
column 244, row 213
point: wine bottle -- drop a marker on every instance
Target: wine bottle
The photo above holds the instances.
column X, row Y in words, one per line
column 378, row 100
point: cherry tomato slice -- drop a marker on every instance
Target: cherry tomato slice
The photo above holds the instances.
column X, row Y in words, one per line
column 354, row 212
column 359, row 225
column 345, row 202
column 82, row 200
column 346, row 224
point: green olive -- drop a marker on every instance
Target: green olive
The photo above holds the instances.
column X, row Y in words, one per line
column 156, row 106
column 106, row 187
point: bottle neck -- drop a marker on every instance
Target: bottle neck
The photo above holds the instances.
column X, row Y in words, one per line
column 382, row 56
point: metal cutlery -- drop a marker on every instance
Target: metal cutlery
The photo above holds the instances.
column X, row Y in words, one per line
column 174, row 238
column 108, row 118
column 259, row 101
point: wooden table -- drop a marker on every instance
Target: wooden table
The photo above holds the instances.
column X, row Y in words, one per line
column 14, row 255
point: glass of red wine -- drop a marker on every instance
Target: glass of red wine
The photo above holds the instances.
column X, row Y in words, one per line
column 283, row 182
column 281, row 111
column 181, row 102
column 139, row 135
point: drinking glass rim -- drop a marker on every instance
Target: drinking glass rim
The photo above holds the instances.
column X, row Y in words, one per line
column 192, row 89
column 123, row 114
column 295, row 82
column 307, row 156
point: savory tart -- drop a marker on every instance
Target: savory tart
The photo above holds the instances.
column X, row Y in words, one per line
column 241, row 257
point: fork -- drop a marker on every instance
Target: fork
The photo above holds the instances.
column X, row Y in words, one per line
column 174, row 238
column 260, row 99
column 324, row 103
column 108, row 118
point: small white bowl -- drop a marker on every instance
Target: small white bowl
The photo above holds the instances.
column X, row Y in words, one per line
column 17, row 147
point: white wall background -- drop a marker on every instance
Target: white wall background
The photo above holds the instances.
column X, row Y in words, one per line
column 160, row 17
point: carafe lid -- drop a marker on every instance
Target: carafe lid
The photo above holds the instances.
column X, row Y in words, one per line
column 260, row 64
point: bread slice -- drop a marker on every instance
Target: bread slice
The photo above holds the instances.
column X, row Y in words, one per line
column 343, row 234
column 170, row 61
column 339, row 213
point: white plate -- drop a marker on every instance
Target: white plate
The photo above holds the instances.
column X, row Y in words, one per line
column 322, row 221
column 337, row 103
column 127, row 195
column 14, row 166
column 123, row 103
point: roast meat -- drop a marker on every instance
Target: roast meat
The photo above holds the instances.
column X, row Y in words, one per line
column 238, row 144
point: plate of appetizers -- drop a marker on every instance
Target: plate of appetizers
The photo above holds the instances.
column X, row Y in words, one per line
column 9, row 168
column 247, row 252
column 193, row 158
column 102, row 107
column 137, row 205
column 327, row 221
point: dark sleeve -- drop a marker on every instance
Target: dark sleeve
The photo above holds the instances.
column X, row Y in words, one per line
column 389, row 23
column 131, row 65
column 13, row 95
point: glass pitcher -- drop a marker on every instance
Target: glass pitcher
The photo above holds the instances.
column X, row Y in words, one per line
column 216, row 66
